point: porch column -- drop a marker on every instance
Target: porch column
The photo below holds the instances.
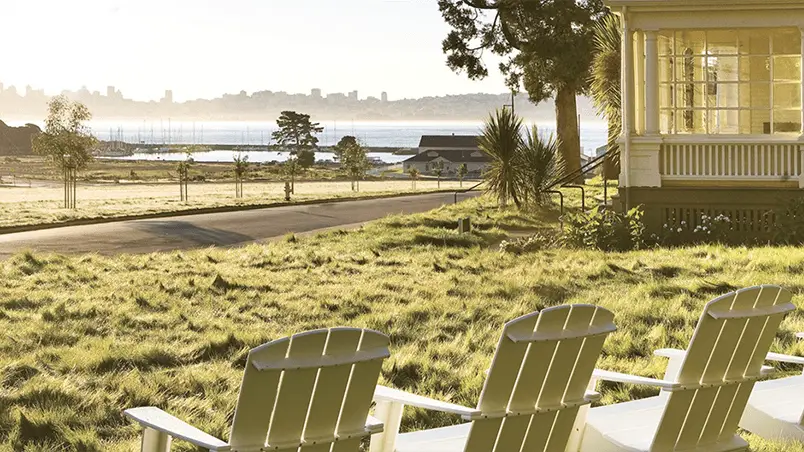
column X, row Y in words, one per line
column 652, row 83
column 639, row 66
column 629, row 94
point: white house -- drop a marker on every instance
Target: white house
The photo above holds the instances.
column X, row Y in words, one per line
column 712, row 108
column 425, row 162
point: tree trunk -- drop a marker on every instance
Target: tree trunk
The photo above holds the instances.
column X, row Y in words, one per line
column 567, row 131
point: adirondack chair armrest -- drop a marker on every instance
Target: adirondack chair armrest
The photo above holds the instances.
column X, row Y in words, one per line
column 784, row 358
column 384, row 393
column 618, row 377
column 156, row 419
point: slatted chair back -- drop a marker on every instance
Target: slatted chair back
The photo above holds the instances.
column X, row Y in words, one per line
column 308, row 391
column 538, row 379
column 723, row 361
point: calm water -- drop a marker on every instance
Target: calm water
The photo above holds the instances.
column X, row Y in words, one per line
column 400, row 134
column 254, row 156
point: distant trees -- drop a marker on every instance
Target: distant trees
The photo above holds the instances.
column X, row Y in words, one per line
column 521, row 169
column 66, row 142
column 353, row 159
column 438, row 171
column 462, row 172
column 240, row 171
column 297, row 135
column 414, row 175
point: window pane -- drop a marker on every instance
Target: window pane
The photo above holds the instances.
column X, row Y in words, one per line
column 689, row 95
column 722, row 42
column 723, row 121
column 722, row 68
column 760, row 96
column 666, row 42
column 755, row 69
column 665, row 69
column 786, row 42
column 691, row 121
column 666, row 96
column 754, row 42
column 723, row 95
column 746, row 123
column 786, row 121
column 690, row 41
column 689, row 69
column 787, row 68
column 786, row 95
column 666, row 121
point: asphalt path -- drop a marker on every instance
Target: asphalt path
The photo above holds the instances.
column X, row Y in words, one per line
column 215, row 229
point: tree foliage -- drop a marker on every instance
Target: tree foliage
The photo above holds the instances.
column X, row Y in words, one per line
column 605, row 81
column 353, row 158
column 501, row 141
column 296, row 134
column 522, row 169
column 66, row 141
column 547, row 46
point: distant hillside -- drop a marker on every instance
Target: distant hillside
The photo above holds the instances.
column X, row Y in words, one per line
column 17, row 140
column 267, row 105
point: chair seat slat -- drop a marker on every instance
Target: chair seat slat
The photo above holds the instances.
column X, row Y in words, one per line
column 322, row 361
column 564, row 335
column 755, row 312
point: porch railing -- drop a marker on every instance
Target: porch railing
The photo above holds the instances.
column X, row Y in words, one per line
column 746, row 161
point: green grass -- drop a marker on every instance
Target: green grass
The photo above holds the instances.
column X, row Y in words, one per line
column 85, row 337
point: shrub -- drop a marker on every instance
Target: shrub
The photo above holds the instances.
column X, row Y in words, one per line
column 605, row 229
column 789, row 228
column 707, row 229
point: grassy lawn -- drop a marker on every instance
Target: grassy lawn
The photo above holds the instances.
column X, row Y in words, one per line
column 85, row 337
column 21, row 205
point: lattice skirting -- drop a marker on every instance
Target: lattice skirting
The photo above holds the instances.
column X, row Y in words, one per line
column 753, row 211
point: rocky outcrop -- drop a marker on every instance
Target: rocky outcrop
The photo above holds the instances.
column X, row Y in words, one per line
column 17, row 140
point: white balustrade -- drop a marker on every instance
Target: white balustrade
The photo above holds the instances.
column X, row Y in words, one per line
column 745, row 161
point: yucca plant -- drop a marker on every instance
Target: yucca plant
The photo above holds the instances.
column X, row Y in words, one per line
column 540, row 166
column 501, row 140
column 605, row 85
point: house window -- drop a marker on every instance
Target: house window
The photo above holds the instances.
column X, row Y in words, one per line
column 730, row 81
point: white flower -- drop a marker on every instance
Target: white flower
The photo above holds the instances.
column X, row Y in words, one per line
column 679, row 229
column 683, row 223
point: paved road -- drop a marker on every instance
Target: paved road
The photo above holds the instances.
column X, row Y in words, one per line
column 215, row 229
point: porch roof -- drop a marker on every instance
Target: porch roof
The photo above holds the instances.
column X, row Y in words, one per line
column 694, row 4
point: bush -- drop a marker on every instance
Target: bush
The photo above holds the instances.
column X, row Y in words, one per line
column 789, row 228
column 605, row 229
column 708, row 229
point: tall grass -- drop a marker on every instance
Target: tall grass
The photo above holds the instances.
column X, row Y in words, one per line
column 85, row 337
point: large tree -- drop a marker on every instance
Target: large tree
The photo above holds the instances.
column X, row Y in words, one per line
column 353, row 159
column 66, row 142
column 547, row 46
column 297, row 134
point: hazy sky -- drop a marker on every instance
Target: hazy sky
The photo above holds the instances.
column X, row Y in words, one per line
column 203, row 48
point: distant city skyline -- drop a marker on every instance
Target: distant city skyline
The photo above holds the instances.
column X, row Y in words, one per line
column 201, row 49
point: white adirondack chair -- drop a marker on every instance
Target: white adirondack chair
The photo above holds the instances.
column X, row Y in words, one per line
column 776, row 408
column 534, row 391
column 312, row 390
column 705, row 389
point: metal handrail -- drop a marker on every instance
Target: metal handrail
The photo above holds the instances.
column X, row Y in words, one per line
column 561, row 196
column 466, row 191
column 583, row 195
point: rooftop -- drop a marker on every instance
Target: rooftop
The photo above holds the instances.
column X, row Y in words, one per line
column 448, row 141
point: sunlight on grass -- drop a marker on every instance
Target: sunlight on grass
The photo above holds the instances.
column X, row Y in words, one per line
column 87, row 336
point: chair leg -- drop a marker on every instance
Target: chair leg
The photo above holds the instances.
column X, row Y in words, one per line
column 155, row 441
column 390, row 413
column 574, row 442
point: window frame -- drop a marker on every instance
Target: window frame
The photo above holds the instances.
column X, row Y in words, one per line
column 675, row 114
